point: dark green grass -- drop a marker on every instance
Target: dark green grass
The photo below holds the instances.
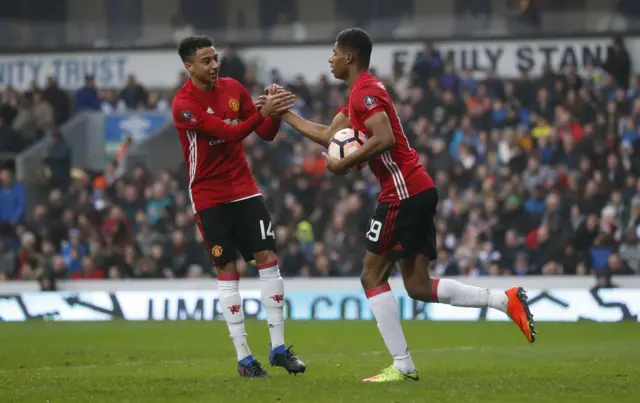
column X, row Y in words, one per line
column 194, row 362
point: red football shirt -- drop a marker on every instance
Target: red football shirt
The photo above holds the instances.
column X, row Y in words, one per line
column 211, row 126
column 400, row 173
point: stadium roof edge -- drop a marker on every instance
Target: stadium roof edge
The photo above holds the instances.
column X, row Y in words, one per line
column 254, row 44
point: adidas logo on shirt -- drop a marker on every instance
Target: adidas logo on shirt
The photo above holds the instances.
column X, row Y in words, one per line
column 210, row 111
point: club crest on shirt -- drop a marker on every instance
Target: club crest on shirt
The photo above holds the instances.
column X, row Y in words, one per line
column 369, row 101
column 188, row 116
column 234, row 105
column 216, row 251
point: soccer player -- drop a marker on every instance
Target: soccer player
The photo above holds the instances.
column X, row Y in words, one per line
column 402, row 229
column 213, row 115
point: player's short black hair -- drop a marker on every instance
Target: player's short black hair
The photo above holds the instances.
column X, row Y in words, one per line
column 189, row 45
column 359, row 41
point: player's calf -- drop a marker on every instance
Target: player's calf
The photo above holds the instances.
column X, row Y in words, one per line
column 231, row 306
column 272, row 295
column 421, row 287
column 452, row 292
column 385, row 309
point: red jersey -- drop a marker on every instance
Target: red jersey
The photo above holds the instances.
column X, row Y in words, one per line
column 211, row 126
column 398, row 170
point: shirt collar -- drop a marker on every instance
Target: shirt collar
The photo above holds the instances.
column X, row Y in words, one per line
column 361, row 78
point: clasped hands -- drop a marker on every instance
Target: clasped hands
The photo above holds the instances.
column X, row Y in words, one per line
column 275, row 101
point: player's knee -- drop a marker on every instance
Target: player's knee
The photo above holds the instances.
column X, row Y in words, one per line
column 265, row 257
column 227, row 268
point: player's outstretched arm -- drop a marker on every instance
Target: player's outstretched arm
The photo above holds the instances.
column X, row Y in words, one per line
column 268, row 129
column 381, row 140
column 315, row 132
column 189, row 115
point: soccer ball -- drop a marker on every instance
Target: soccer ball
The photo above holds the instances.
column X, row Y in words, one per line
column 345, row 142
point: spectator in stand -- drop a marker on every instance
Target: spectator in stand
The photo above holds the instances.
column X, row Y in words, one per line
column 630, row 251
column 162, row 261
column 58, row 160
column 43, row 113
column 618, row 62
column 73, row 251
column 28, row 257
column 302, row 90
column 157, row 102
column 116, row 228
column 35, row 117
column 157, row 204
column 180, row 253
column 86, row 98
column 9, row 105
column 426, row 65
column 616, row 266
column 58, row 100
column 110, row 103
column 131, row 203
column 449, row 80
column 134, row 95
column 88, row 270
column 182, row 78
column 10, row 140
column 12, row 199
column 232, row 65
column 25, row 122
column 8, row 258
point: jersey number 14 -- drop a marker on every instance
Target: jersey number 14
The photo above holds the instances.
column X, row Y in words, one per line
column 266, row 230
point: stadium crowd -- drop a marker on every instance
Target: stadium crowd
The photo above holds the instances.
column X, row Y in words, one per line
column 537, row 175
column 26, row 117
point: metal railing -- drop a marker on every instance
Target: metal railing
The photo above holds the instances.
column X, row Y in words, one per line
column 158, row 152
column 85, row 134
column 30, row 166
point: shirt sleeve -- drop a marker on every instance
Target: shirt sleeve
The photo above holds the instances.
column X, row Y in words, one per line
column 368, row 101
column 268, row 129
column 189, row 115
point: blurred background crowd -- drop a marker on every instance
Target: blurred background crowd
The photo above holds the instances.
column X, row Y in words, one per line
column 536, row 175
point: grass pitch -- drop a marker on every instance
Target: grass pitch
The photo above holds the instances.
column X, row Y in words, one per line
column 139, row 362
